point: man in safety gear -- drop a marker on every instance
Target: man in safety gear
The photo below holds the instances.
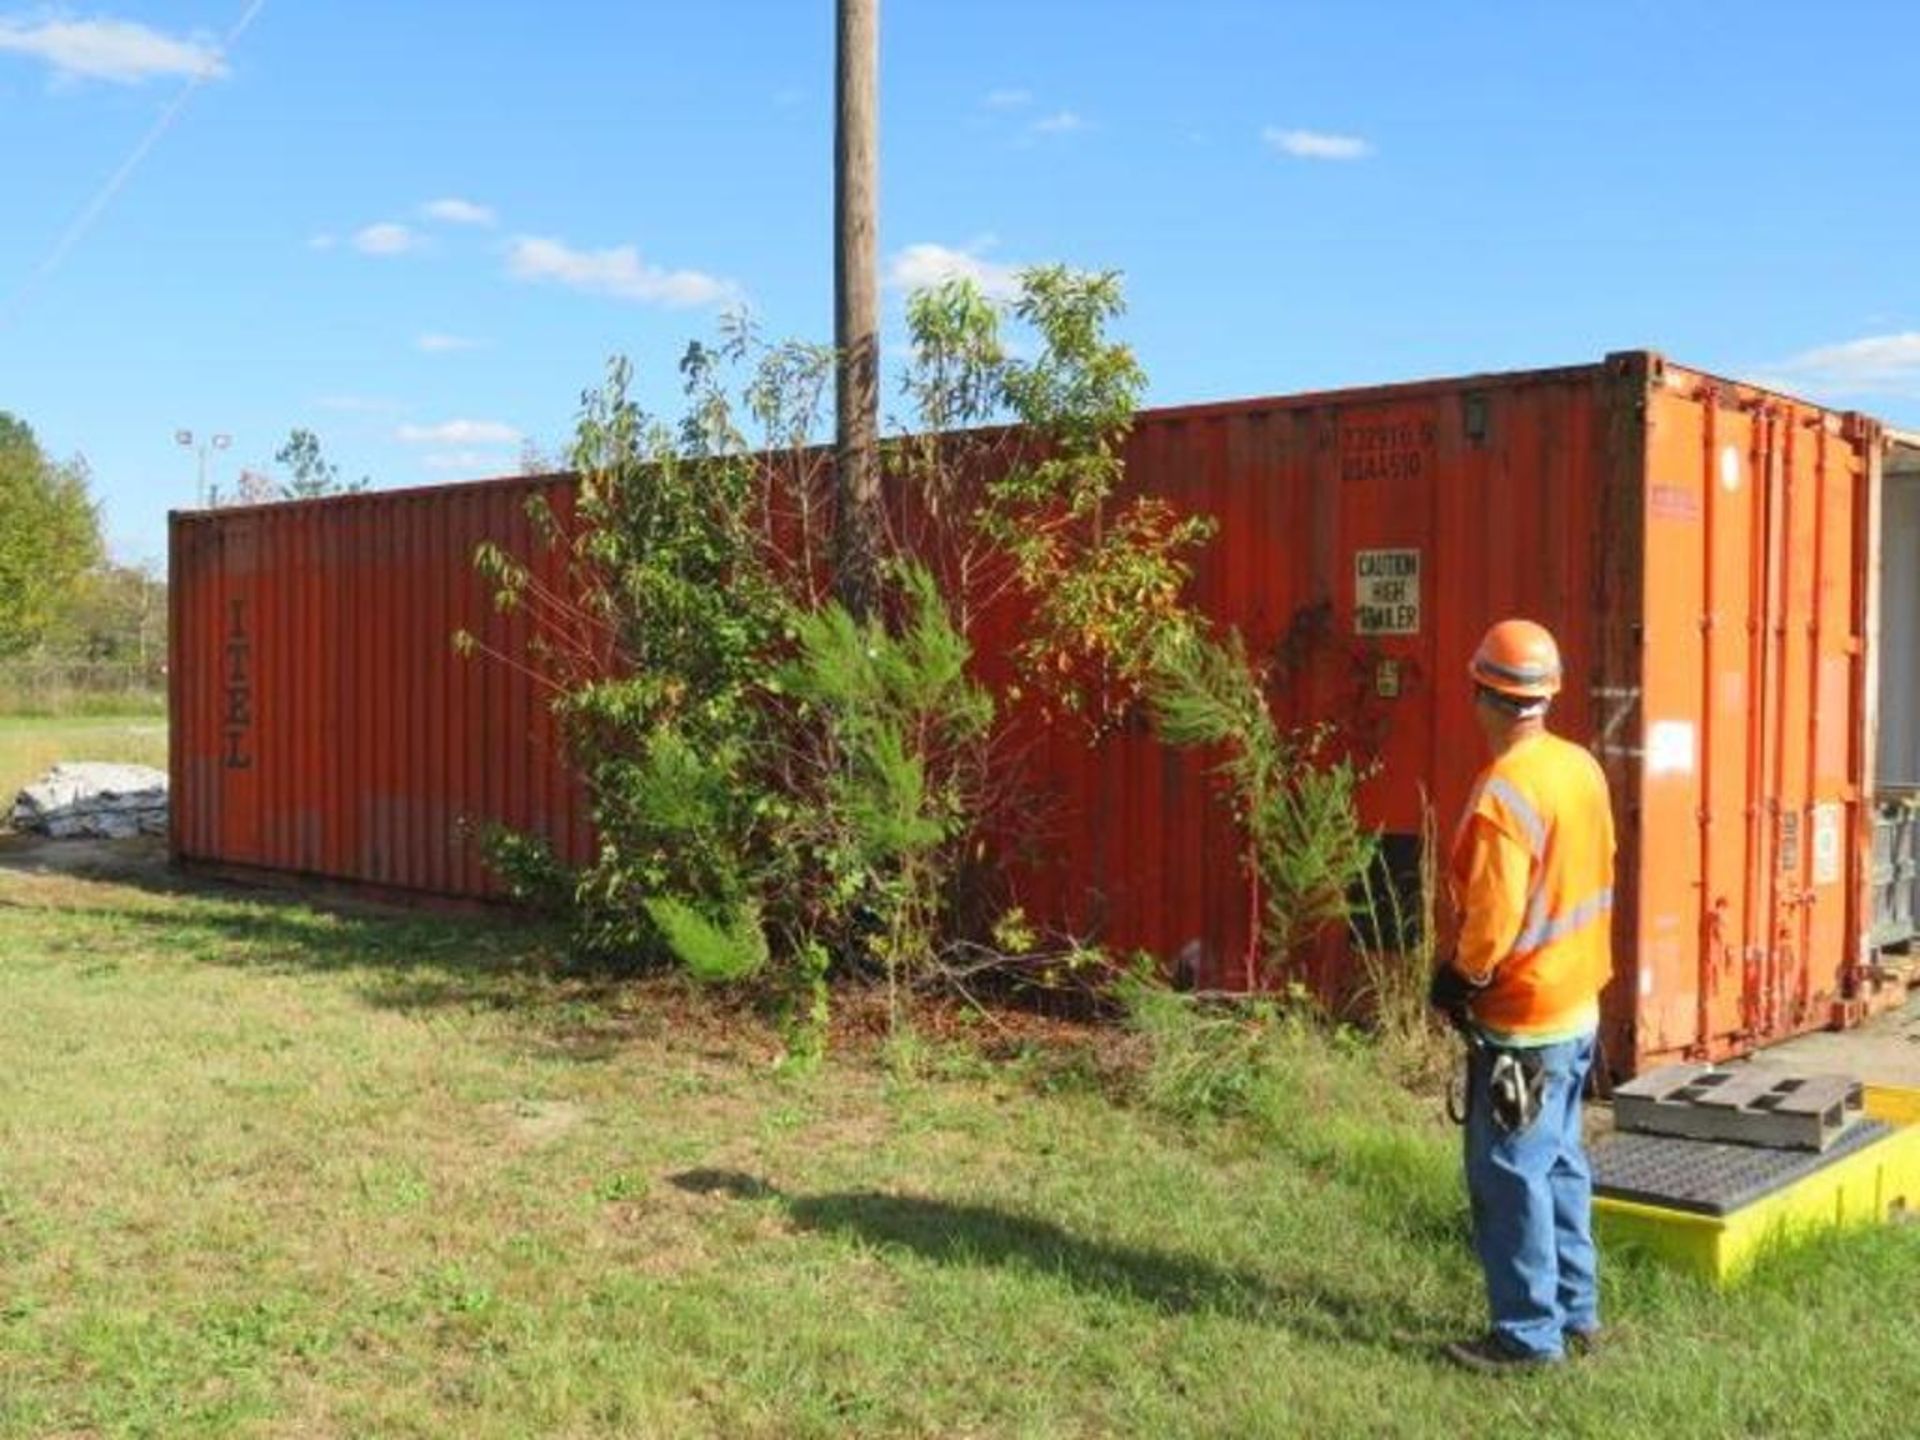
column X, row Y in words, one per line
column 1531, row 875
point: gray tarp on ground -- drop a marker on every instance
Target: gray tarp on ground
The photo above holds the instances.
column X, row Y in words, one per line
column 95, row 801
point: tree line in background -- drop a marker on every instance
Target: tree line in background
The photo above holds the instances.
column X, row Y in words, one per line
column 76, row 626
column 60, row 596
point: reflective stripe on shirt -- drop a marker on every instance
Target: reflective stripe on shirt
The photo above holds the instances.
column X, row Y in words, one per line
column 1509, row 795
column 1542, row 929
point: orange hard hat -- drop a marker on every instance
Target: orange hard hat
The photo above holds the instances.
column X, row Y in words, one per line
column 1518, row 658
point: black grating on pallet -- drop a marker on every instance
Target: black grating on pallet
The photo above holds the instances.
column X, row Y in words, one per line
column 1708, row 1177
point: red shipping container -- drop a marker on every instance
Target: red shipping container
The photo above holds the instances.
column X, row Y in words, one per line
column 1702, row 549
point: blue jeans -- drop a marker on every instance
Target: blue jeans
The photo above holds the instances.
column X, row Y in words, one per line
column 1532, row 1199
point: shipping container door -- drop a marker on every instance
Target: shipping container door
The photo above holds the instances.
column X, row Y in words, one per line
column 1711, row 722
column 1824, row 497
column 1775, row 749
column 1775, row 953
column 1804, row 721
column 1739, row 721
column 1696, row 738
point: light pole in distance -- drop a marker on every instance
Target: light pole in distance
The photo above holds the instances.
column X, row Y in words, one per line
column 218, row 442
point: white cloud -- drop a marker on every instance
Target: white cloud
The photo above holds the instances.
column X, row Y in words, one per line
column 454, row 211
column 1871, row 365
column 1315, row 145
column 467, row 460
column 1007, row 99
column 435, row 344
column 920, row 266
column 619, row 272
column 386, row 238
column 1061, row 122
column 458, row 432
column 117, row 50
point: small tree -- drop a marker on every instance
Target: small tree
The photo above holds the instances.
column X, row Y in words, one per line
column 49, row 536
column 313, row 475
column 253, row 487
column 1291, row 797
column 1103, row 577
column 1029, row 506
column 773, row 782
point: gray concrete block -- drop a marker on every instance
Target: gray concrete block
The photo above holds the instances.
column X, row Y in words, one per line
column 1751, row 1105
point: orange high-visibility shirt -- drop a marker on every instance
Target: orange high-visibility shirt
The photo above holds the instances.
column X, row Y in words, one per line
column 1532, row 879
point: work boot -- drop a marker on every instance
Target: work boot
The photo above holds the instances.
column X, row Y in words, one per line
column 1491, row 1355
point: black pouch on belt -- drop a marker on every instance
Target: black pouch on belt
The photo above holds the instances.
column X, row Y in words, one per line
column 1516, row 1085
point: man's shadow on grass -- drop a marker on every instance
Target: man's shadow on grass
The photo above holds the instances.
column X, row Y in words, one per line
column 986, row 1236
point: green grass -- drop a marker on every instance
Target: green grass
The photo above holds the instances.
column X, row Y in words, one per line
column 32, row 745
column 266, row 1171
column 49, row 695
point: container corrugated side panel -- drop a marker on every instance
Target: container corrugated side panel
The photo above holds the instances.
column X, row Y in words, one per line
column 1713, row 643
column 1148, row 855
column 1587, row 497
column 323, row 724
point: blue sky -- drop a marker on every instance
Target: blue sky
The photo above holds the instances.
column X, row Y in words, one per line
column 420, row 228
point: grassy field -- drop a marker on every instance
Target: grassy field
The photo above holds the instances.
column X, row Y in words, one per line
column 31, row 745
column 266, row 1171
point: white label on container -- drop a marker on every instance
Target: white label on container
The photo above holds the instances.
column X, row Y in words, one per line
column 1670, row 748
column 1386, row 592
column 1826, row 844
column 1730, row 468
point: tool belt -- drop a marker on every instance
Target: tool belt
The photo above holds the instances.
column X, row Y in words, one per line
column 1516, row 1084
column 1516, row 1077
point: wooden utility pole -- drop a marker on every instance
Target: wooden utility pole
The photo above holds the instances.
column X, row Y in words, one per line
column 856, row 185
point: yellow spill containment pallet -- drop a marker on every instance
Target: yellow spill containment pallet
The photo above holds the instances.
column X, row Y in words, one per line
column 1714, row 1209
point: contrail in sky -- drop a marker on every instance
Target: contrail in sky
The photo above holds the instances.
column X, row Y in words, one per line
column 84, row 221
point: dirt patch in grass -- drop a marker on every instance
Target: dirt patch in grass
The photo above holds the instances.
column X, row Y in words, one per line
column 531, row 1124
column 657, row 1240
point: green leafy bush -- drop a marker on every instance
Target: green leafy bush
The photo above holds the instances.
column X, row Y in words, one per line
column 1294, row 798
column 732, row 948
column 783, row 789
